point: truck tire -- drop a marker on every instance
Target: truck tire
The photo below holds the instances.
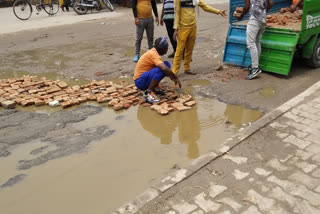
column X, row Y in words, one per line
column 314, row 60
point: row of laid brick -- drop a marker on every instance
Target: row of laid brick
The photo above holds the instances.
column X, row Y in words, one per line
column 32, row 90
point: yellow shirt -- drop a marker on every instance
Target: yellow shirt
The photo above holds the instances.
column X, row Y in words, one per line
column 144, row 9
column 148, row 61
column 186, row 17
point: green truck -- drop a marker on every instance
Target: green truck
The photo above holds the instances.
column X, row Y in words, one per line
column 279, row 44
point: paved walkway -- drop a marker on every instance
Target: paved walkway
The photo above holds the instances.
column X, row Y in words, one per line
column 271, row 167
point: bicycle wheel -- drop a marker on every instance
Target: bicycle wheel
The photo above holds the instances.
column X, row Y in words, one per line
column 81, row 10
column 22, row 9
column 108, row 4
column 50, row 6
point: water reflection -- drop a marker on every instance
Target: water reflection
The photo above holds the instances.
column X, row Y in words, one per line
column 240, row 116
column 186, row 123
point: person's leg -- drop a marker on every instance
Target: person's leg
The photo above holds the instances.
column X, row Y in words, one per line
column 144, row 82
column 182, row 36
column 252, row 32
column 67, row 4
column 189, row 49
column 150, row 31
column 253, row 29
column 139, row 35
column 261, row 31
column 169, row 26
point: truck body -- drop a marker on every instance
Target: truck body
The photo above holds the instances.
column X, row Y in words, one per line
column 279, row 44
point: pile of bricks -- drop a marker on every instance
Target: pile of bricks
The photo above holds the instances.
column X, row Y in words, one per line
column 32, row 90
column 284, row 18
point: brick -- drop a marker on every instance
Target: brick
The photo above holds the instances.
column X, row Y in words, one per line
column 315, row 138
column 264, row 203
column 206, row 204
column 305, row 166
column 293, row 117
column 252, row 210
column 126, row 105
column 279, row 194
column 184, row 207
column 53, row 89
column 146, row 104
column 262, row 172
column 156, row 107
column 237, row 160
column 163, row 111
column 233, row 204
column 215, row 190
column 62, row 84
column 8, row 104
column 76, row 87
column 316, row 173
column 275, row 164
column 66, row 104
column 27, row 102
column 240, row 175
column 304, row 179
column 301, row 144
column 278, row 126
column 117, row 106
column 190, row 103
column 39, row 102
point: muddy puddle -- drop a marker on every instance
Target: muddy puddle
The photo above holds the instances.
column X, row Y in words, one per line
column 114, row 169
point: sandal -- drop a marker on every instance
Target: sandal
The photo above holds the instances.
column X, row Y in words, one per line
column 190, row 72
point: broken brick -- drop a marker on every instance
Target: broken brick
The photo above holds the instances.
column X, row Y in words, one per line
column 8, row 104
column 66, row 104
column 113, row 102
column 145, row 104
column 190, row 103
column 118, row 106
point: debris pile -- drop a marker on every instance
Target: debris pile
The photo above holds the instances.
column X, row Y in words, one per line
column 284, row 18
column 32, row 90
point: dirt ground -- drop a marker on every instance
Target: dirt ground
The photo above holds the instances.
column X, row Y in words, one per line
column 103, row 49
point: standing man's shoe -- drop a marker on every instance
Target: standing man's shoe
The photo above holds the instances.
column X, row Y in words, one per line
column 253, row 73
column 171, row 55
column 136, row 58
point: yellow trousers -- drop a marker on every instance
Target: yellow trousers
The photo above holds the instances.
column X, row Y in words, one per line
column 186, row 41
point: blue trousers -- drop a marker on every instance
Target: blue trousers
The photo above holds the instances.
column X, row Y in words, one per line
column 144, row 80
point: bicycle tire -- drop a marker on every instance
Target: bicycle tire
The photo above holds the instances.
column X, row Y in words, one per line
column 51, row 7
column 109, row 5
column 22, row 6
column 78, row 8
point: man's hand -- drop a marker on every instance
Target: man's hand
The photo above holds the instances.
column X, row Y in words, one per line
column 157, row 21
column 239, row 17
column 137, row 21
column 161, row 21
column 223, row 13
column 177, row 82
column 175, row 34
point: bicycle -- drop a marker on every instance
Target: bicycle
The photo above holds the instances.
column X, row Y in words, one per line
column 22, row 9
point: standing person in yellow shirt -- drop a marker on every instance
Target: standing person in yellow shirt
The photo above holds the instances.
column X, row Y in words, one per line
column 186, row 30
column 143, row 19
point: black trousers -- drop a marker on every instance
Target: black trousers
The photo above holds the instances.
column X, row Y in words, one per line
column 169, row 25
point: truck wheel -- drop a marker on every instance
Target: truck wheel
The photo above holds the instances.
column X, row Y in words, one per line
column 314, row 60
